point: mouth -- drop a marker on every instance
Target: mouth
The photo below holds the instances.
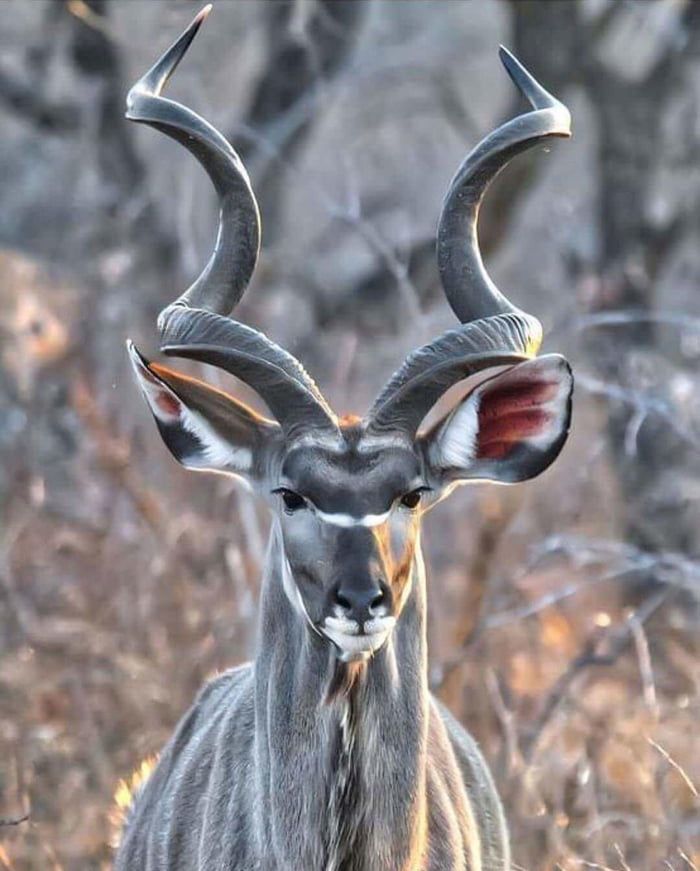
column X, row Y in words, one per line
column 354, row 642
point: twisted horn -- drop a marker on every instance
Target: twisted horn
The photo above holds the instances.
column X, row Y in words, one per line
column 195, row 325
column 493, row 332
column 226, row 275
column 468, row 286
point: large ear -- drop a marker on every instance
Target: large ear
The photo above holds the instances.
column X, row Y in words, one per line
column 204, row 428
column 510, row 428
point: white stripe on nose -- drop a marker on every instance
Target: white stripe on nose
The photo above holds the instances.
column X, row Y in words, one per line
column 348, row 520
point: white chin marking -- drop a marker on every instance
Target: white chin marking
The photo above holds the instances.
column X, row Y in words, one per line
column 350, row 644
column 341, row 625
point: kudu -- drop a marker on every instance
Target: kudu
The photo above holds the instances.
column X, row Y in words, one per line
column 328, row 751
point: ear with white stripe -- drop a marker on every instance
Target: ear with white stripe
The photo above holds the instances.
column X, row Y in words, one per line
column 204, row 428
column 510, row 428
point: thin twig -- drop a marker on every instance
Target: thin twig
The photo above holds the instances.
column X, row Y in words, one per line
column 686, row 859
column 630, row 317
column 645, row 667
column 621, row 856
column 13, row 821
column 594, row 654
column 506, row 719
column 672, row 762
column 642, row 403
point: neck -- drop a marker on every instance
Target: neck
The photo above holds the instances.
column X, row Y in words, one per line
column 341, row 744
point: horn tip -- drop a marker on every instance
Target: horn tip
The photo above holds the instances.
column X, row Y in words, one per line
column 183, row 43
column 503, row 52
column 202, row 15
column 537, row 96
column 153, row 82
column 136, row 357
column 508, row 59
column 524, row 81
column 521, row 76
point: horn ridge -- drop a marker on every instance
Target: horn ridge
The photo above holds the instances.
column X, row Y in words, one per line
column 197, row 325
column 455, row 355
column 242, row 351
column 494, row 332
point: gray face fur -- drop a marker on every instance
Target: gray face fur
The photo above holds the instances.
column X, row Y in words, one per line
column 350, row 516
column 349, row 505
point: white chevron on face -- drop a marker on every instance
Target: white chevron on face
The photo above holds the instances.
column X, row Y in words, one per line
column 347, row 520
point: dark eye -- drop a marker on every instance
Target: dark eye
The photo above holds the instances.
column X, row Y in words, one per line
column 292, row 501
column 411, row 500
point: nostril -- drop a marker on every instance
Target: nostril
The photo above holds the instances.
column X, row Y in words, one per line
column 377, row 601
column 343, row 601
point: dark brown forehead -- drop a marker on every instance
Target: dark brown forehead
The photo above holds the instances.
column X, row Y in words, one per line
column 352, row 480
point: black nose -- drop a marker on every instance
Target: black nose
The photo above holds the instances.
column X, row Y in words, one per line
column 360, row 602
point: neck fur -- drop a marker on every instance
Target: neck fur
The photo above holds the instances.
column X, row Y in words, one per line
column 340, row 749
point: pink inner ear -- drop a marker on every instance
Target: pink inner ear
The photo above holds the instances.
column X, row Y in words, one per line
column 167, row 404
column 513, row 412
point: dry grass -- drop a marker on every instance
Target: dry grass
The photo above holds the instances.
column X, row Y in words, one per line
column 572, row 655
column 582, row 690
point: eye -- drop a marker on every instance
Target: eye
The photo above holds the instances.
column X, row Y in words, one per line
column 412, row 499
column 292, row 501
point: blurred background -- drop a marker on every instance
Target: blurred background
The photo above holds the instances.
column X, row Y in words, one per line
column 563, row 613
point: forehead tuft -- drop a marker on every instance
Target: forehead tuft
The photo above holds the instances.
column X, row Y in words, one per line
column 359, row 475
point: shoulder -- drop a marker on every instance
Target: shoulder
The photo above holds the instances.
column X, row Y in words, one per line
column 222, row 693
column 219, row 701
column 223, row 689
column 479, row 785
column 469, row 756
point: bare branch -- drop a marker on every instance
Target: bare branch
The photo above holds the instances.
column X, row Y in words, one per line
column 672, row 762
column 33, row 106
column 14, row 821
column 603, row 649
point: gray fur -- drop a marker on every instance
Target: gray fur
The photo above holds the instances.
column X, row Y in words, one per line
column 328, row 753
column 265, row 773
column 320, row 755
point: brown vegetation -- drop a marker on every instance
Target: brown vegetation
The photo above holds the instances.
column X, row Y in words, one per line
column 564, row 614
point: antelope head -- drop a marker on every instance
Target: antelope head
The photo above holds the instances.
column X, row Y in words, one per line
column 349, row 493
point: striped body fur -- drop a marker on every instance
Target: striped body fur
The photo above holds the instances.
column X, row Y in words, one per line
column 265, row 773
column 328, row 753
